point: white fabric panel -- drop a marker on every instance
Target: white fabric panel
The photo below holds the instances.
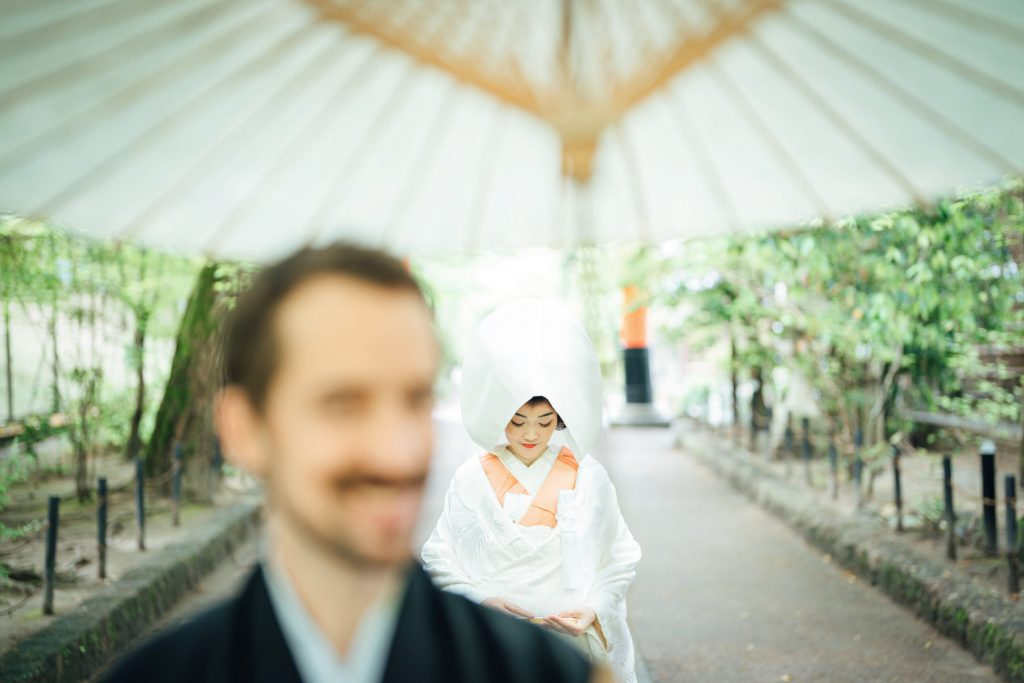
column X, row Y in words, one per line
column 200, row 125
column 527, row 348
column 992, row 118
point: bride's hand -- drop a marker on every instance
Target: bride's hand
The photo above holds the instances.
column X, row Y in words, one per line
column 503, row 605
column 572, row 622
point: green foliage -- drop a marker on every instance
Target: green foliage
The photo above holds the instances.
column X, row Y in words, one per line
column 14, row 469
column 86, row 298
column 873, row 311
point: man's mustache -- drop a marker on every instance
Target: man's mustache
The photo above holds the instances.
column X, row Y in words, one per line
column 350, row 482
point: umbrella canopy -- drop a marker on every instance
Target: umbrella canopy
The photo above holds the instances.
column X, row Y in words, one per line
column 246, row 128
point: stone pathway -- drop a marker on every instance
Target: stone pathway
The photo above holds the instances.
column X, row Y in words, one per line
column 725, row 591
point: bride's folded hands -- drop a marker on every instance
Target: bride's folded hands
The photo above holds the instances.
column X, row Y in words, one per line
column 573, row 622
column 503, row 605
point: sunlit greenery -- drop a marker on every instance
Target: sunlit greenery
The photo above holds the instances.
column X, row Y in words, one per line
column 878, row 312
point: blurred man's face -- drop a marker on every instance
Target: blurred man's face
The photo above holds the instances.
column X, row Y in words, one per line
column 346, row 426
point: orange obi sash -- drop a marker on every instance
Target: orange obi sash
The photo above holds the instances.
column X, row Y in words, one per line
column 543, row 509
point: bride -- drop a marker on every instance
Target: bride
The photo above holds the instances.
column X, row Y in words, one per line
column 532, row 526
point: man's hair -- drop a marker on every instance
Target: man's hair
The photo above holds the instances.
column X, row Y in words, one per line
column 250, row 349
column 541, row 399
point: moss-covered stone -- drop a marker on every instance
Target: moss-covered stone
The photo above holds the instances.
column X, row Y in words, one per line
column 986, row 623
column 77, row 644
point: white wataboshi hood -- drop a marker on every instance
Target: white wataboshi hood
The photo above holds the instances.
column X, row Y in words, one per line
column 532, row 347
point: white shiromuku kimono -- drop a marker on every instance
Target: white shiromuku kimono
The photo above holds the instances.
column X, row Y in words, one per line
column 478, row 549
column 567, row 547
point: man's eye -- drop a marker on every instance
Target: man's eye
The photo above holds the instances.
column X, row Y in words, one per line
column 422, row 401
column 339, row 406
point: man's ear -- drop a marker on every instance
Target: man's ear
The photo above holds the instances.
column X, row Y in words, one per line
column 240, row 426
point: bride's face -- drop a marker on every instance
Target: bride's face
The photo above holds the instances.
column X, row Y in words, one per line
column 530, row 429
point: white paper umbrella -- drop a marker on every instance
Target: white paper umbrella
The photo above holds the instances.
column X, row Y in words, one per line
column 248, row 127
column 527, row 348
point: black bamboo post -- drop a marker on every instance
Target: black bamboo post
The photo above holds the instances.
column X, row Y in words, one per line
column 858, row 466
column 50, row 561
column 788, row 448
column 176, row 485
column 988, row 496
column 753, row 423
column 805, row 427
column 1013, row 575
column 140, row 502
column 833, row 466
column 101, row 526
column 217, row 466
column 897, row 486
column 947, row 500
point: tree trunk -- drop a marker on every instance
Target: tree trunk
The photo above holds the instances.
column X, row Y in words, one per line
column 757, row 404
column 735, row 369
column 1020, row 411
column 188, row 397
column 134, row 446
column 55, row 360
column 82, row 436
column 9, row 364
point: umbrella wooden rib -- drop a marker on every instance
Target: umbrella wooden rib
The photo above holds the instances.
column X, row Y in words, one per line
column 249, row 124
column 690, row 51
column 87, row 66
column 288, row 157
column 930, row 52
column 349, row 167
column 503, row 43
column 920, row 106
column 151, row 81
column 70, row 18
column 465, row 36
column 401, row 39
column 971, row 17
column 684, row 124
column 633, row 177
column 488, row 170
column 757, row 121
column 841, row 123
column 252, row 66
column 438, row 127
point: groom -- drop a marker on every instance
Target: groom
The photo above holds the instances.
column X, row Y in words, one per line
column 330, row 358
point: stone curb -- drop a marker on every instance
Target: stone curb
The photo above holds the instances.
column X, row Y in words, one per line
column 75, row 646
column 980, row 618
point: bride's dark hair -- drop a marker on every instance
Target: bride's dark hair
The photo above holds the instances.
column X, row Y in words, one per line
column 540, row 399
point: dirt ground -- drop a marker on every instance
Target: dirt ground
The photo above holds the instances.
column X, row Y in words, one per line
column 921, row 483
column 724, row 592
column 21, row 597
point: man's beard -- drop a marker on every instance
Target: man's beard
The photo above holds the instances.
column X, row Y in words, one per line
column 341, row 543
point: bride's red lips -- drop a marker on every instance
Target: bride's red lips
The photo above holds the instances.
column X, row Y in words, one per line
column 529, row 445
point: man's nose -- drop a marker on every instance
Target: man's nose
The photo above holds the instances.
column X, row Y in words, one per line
column 400, row 442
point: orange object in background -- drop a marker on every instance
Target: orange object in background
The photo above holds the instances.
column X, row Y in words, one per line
column 634, row 320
